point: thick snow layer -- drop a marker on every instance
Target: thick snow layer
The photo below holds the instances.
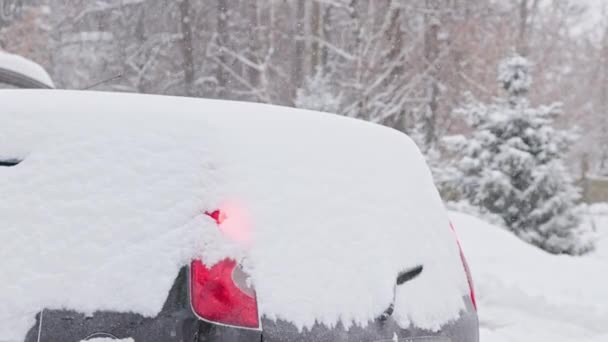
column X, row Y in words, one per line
column 109, row 203
column 25, row 67
column 525, row 294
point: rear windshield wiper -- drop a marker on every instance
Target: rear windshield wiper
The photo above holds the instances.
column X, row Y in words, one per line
column 402, row 278
column 405, row 276
column 10, row 162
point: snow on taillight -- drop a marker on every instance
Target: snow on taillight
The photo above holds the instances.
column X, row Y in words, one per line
column 465, row 264
column 222, row 295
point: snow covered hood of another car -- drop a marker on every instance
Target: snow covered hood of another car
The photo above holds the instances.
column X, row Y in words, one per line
column 109, row 202
column 23, row 71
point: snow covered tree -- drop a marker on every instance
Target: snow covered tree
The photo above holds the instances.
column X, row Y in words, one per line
column 512, row 164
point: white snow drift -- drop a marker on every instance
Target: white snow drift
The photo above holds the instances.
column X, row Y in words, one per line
column 109, row 201
column 526, row 294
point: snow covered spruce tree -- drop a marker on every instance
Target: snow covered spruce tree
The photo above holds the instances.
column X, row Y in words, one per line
column 512, row 164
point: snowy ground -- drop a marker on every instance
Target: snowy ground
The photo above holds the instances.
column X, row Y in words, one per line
column 525, row 294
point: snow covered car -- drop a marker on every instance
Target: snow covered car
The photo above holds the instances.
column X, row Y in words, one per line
column 149, row 218
column 17, row 71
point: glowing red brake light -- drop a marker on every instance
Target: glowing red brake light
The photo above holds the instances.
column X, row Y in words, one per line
column 233, row 221
column 465, row 264
column 220, row 294
column 217, row 215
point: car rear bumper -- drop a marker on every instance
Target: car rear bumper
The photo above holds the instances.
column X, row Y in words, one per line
column 69, row 326
column 177, row 323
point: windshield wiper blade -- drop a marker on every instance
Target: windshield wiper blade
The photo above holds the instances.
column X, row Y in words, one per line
column 405, row 276
column 402, row 278
column 10, row 162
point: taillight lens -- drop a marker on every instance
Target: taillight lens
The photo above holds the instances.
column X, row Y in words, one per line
column 469, row 278
column 465, row 264
column 217, row 215
column 220, row 294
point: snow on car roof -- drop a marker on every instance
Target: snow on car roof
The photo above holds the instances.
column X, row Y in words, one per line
column 109, row 202
column 26, row 67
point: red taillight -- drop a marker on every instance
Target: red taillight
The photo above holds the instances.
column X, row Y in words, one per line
column 220, row 294
column 465, row 264
column 217, row 215
column 469, row 277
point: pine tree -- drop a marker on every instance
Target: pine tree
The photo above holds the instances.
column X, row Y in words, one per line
column 512, row 164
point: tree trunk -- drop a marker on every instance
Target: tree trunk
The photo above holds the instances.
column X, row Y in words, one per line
column 522, row 44
column 315, row 25
column 140, row 37
column 603, row 90
column 222, row 32
column 298, row 58
column 325, row 30
column 187, row 46
column 253, row 75
column 394, row 37
column 431, row 47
